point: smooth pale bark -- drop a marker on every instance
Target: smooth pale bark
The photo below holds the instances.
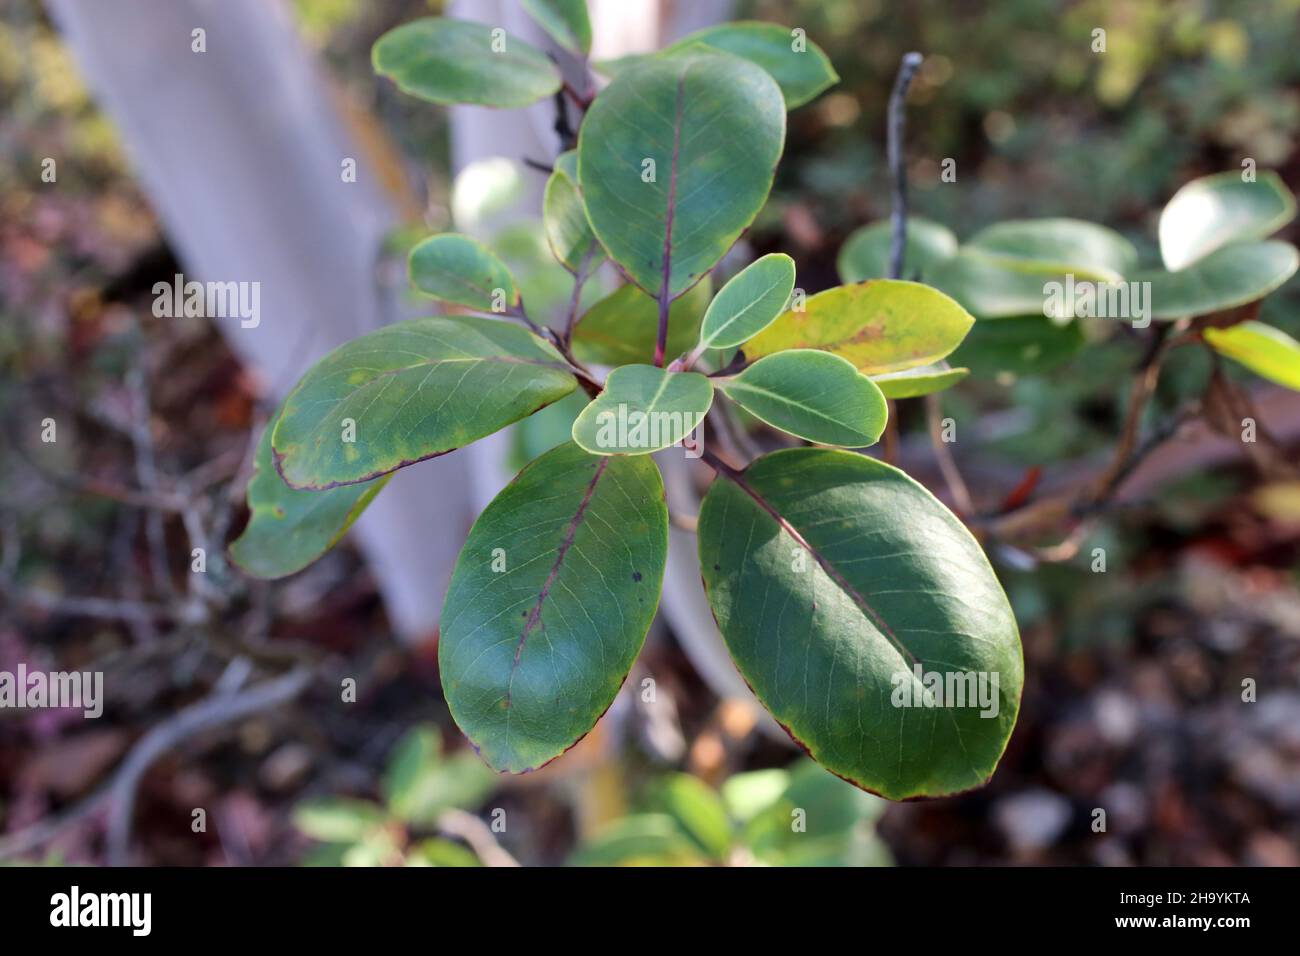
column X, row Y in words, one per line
column 240, row 150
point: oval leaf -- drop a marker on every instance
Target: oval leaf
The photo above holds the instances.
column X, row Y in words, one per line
column 1213, row 211
column 989, row 289
column 811, row 394
column 882, row 325
column 642, row 410
column 567, row 230
column 1026, row 345
column 916, row 382
column 675, row 159
column 533, row 651
column 1227, row 277
column 412, row 391
column 1057, row 246
column 621, row 328
column 1266, row 351
column 699, row 811
column 289, row 529
column 456, row 268
column 865, row 254
column 798, row 65
column 455, row 61
column 749, row 303
column 565, row 20
column 834, row 578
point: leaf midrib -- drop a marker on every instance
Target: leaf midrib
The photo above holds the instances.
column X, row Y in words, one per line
column 832, row 572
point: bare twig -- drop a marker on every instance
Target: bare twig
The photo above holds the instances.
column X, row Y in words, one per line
column 119, row 791
column 208, row 713
column 961, row 497
column 477, row 834
column 897, row 164
column 147, row 473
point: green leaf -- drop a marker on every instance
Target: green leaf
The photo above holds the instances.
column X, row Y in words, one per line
column 553, row 425
column 748, row 794
column 801, row 73
column 865, row 254
column 567, row 228
column 916, row 382
column 645, row 839
column 420, row 783
column 621, row 328
column 455, row 61
column 700, row 812
column 811, row 394
column 1266, row 351
column 713, row 126
column 338, row 819
column 565, row 20
column 533, row 650
column 567, row 163
column 1228, row 277
column 882, row 325
column 832, row 576
column 289, row 529
column 992, row 290
column 749, row 302
column 1214, row 211
column 440, row 852
column 458, row 269
column 413, row 390
column 642, row 410
column 1057, row 247
column 1021, row 346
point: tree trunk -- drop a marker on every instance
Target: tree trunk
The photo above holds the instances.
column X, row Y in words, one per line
column 241, row 151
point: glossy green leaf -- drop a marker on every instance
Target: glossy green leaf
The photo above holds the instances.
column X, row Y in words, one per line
column 699, row 811
column 1266, row 351
column 461, row 270
column 642, row 410
column 865, row 254
column 797, row 64
column 550, row 602
column 1214, row 211
column 991, row 290
column 1226, row 278
column 456, row 61
column 621, row 328
column 411, row 391
column 882, row 325
column 916, row 382
column 675, row 159
column 289, row 529
column 833, row 578
column 811, row 394
column 749, row 302
column 565, row 20
column 1026, row 345
column 1057, row 247
column 567, row 228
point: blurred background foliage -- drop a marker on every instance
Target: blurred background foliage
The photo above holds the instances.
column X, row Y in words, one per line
column 1134, row 675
